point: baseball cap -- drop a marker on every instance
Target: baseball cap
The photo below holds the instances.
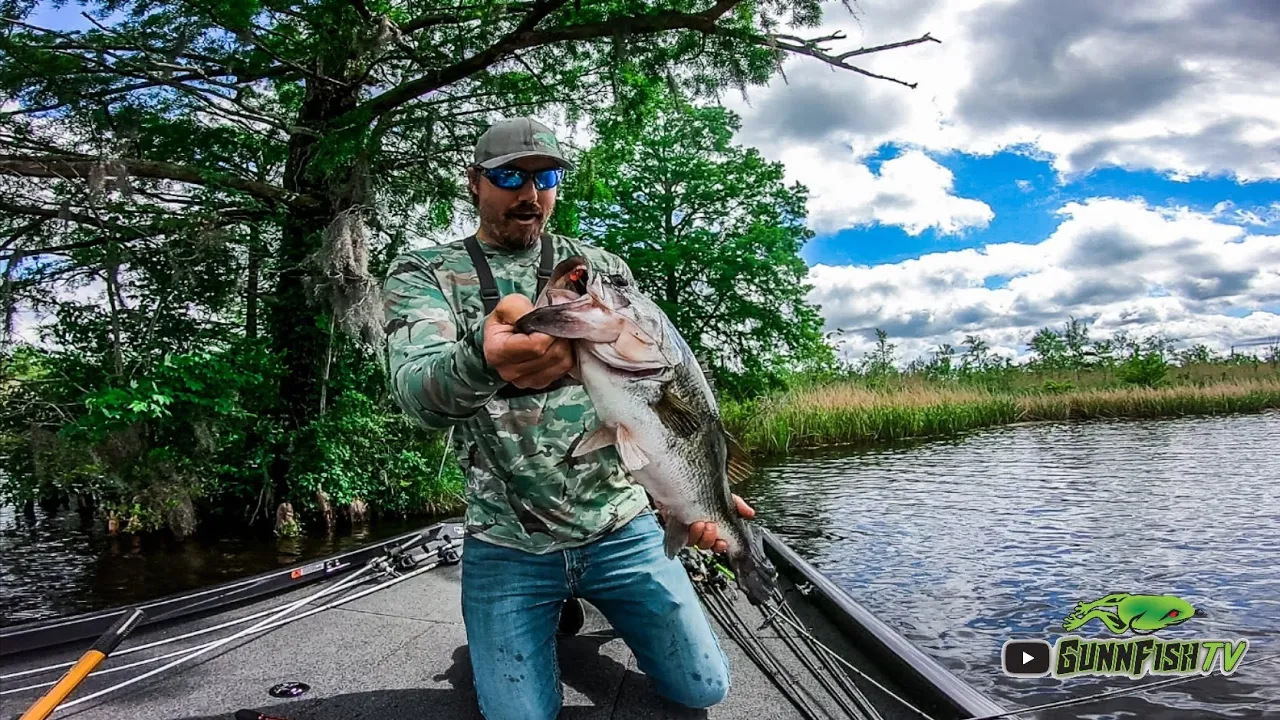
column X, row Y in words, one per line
column 514, row 138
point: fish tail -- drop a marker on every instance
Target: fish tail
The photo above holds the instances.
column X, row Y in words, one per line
column 756, row 575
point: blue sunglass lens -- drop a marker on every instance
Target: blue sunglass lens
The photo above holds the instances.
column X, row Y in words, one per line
column 546, row 179
column 512, row 179
column 506, row 179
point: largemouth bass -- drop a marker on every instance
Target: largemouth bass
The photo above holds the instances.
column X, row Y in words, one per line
column 656, row 407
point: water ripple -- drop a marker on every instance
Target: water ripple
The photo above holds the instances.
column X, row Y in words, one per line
column 963, row 544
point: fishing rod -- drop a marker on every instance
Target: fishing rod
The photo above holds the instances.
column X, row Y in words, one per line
column 104, row 646
column 271, row 626
column 711, row 580
column 394, row 561
column 788, row 616
column 842, row 679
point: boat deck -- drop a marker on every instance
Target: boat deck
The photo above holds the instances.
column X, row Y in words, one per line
column 401, row 652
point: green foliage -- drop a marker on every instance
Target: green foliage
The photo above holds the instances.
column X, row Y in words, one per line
column 878, row 365
column 710, row 230
column 1147, row 369
column 174, row 176
column 365, row 452
column 1054, row 387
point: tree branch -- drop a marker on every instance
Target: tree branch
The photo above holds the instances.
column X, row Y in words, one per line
column 53, row 249
column 67, row 166
column 57, row 214
column 811, row 48
column 456, row 16
column 525, row 36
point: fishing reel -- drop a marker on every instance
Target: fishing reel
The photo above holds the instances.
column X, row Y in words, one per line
column 441, row 547
column 706, row 567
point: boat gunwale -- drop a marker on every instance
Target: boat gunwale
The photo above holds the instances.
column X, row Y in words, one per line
column 916, row 671
column 48, row 633
column 884, row 646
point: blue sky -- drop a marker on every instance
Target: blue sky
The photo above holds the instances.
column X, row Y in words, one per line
column 67, row 18
column 1029, row 178
column 1023, row 213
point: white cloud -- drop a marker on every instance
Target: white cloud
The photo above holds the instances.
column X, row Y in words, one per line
column 911, row 191
column 1184, row 88
column 1121, row 264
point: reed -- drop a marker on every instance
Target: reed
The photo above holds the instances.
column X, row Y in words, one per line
column 853, row 414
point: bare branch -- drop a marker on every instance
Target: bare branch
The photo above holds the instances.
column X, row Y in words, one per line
column 458, row 15
column 799, row 46
column 57, row 214
column 128, row 68
column 55, row 249
column 64, row 166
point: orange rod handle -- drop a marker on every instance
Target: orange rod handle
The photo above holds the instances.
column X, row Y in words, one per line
column 44, row 706
column 104, row 646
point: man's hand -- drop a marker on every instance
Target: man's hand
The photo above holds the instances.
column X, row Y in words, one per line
column 704, row 534
column 526, row 361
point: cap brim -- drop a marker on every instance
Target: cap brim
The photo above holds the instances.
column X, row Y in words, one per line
column 504, row 159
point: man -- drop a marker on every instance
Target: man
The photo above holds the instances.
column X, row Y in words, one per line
column 543, row 527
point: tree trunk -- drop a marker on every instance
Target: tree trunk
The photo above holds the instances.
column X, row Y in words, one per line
column 251, row 284
column 9, row 296
column 296, row 319
column 114, row 300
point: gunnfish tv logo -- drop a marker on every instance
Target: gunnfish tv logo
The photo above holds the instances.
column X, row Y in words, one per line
column 1122, row 613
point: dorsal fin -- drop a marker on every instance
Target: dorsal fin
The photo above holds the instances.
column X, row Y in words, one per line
column 737, row 463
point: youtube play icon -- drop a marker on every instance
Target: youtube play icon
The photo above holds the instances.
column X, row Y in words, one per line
column 1026, row 658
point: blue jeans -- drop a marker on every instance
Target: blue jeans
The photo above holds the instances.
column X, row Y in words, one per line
column 511, row 607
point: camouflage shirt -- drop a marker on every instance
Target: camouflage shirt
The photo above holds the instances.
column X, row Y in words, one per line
column 523, row 489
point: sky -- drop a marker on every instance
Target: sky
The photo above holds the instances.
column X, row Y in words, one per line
column 1115, row 162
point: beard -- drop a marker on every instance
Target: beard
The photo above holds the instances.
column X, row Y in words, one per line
column 505, row 229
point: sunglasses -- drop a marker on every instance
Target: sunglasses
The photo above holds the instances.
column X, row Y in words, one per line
column 515, row 178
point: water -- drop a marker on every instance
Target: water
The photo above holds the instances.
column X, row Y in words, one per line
column 56, row 565
column 960, row 545
column 964, row 544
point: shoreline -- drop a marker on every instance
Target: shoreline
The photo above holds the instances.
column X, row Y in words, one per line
column 849, row 414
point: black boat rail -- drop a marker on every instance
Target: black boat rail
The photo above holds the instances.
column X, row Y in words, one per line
column 42, row 634
column 932, row 685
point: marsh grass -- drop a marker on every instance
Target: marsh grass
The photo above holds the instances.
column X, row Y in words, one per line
column 852, row 414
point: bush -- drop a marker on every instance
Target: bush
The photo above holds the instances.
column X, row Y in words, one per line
column 1147, row 369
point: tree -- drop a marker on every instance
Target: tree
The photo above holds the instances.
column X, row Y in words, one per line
column 711, row 232
column 1049, row 348
column 878, row 364
column 230, row 168
column 975, row 356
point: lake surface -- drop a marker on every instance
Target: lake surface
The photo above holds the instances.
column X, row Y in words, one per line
column 959, row 544
column 55, row 565
column 964, row 544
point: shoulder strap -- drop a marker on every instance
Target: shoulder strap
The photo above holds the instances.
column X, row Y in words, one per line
column 548, row 264
column 489, row 295
column 488, row 288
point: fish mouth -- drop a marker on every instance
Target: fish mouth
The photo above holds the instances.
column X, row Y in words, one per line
column 640, row 373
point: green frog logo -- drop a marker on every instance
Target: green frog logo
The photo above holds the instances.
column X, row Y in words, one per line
column 1138, row 614
column 546, row 139
column 1143, row 615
